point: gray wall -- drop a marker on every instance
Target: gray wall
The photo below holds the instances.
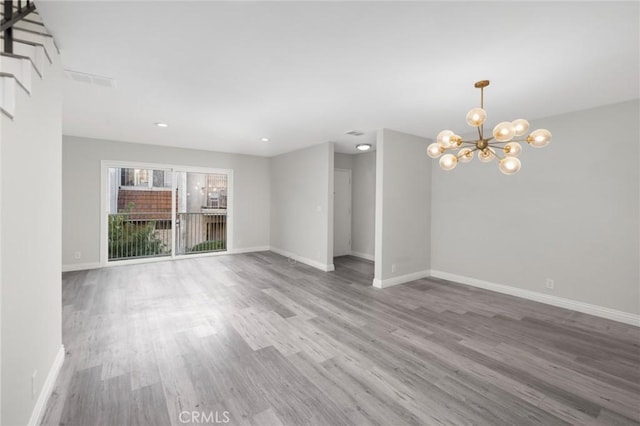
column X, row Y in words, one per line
column 81, row 190
column 302, row 204
column 343, row 161
column 363, row 204
column 30, row 165
column 570, row 214
column 403, row 208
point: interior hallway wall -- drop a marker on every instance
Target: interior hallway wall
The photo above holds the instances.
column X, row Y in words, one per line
column 302, row 205
column 403, row 208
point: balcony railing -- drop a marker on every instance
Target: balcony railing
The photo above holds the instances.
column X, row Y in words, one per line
column 136, row 235
column 201, row 232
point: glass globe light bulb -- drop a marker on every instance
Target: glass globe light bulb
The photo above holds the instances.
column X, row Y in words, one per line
column 455, row 140
column 476, row 117
column 465, row 155
column 509, row 165
column 434, row 150
column 512, row 149
column 539, row 138
column 521, row 126
column 486, row 155
column 444, row 138
column 504, row 132
column 448, row 162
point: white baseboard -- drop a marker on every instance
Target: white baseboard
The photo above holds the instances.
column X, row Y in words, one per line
column 310, row 262
column 80, row 266
column 599, row 311
column 364, row 256
column 248, row 250
column 47, row 389
column 401, row 279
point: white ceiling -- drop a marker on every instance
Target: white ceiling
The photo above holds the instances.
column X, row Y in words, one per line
column 226, row 74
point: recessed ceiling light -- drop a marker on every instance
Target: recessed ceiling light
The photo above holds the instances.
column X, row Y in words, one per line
column 162, row 124
column 363, row 146
column 264, row 139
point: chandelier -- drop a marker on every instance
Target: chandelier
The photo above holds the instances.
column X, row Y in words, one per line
column 500, row 145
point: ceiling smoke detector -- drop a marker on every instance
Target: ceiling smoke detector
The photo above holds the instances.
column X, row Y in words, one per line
column 354, row 133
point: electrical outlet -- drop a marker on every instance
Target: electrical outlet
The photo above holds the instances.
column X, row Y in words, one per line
column 33, row 384
column 550, row 283
column 77, row 255
column 393, row 267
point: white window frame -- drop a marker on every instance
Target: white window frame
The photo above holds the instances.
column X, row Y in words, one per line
column 105, row 165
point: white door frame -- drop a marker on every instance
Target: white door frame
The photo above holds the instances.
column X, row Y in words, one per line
column 104, row 209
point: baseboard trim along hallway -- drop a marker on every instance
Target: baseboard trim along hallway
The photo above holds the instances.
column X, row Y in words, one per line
column 47, row 388
column 402, row 279
column 80, row 266
column 306, row 261
column 364, row 256
column 586, row 308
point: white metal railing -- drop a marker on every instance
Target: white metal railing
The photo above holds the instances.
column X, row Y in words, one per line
column 201, row 232
column 135, row 235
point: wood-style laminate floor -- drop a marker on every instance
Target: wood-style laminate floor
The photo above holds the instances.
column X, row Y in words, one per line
column 257, row 340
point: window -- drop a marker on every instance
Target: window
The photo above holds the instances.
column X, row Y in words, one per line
column 145, row 178
column 216, row 186
column 158, row 178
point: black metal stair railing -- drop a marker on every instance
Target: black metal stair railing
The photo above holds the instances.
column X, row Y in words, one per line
column 11, row 17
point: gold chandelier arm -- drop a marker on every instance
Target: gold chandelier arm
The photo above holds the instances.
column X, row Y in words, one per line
column 496, row 154
column 471, row 151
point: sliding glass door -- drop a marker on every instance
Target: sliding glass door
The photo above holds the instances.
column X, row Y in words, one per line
column 201, row 220
column 139, row 216
column 167, row 211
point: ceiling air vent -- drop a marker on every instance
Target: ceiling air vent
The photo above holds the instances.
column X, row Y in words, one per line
column 354, row 133
column 96, row 80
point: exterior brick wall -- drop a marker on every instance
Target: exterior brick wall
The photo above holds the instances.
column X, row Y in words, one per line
column 145, row 202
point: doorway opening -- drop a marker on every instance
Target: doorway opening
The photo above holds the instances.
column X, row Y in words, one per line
column 354, row 213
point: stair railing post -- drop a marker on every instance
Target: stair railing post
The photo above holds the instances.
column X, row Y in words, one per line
column 8, row 32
